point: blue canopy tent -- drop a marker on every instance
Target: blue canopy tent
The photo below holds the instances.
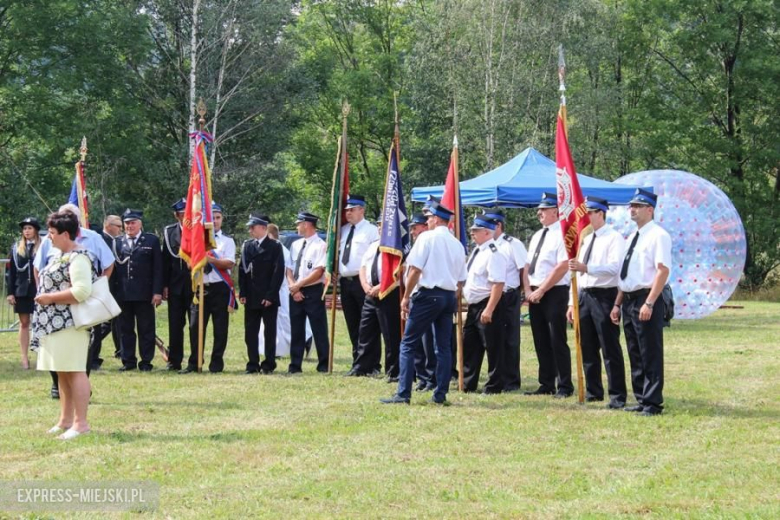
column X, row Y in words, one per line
column 520, row 183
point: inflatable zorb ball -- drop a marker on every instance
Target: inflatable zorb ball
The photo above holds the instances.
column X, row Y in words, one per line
column 708, row 240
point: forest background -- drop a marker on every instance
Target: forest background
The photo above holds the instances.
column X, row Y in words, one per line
column 684, row 84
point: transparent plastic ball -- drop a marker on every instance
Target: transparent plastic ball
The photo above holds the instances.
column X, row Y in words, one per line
column 708, row 240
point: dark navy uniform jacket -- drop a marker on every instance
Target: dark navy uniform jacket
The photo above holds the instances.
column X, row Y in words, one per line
column 139, row 270
column 176, row 273
column 19, row 277
column 261, row 272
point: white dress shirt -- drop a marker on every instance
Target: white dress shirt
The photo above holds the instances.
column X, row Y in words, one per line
column 226, row 250
column 552, row 253
column 653, row 247
column 606, row 257
column 440, row 257
column 368, row 263
column 516, row 258
column 313, row 256
column 488, row 268
column 365, row 235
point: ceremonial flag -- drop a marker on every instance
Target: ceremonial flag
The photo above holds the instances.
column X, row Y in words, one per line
column 197, row 233
column 78, row 194
column 337, row 215
column 571, row 204
column 394, row 240
column 451, row 198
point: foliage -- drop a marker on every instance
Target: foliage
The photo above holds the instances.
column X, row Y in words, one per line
column 650, row 84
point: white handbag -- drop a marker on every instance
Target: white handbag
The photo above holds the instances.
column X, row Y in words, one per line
column 98, row 308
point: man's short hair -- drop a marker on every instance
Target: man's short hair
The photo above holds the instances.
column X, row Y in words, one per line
column 72, row 208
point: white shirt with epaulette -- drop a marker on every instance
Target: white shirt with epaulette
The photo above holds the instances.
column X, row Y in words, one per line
column 440, row 257
column 314, row 256
column 487, row 269
column 516, row 258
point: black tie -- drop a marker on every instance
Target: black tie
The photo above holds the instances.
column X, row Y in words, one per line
column 375, row 268
column 298, row 262
column 471, row 260
column 590, row 249
column 348, row 245
column 532, row 267
column 627, row 259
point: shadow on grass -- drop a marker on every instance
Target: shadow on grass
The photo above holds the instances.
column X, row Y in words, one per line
column 218, row 405
column 227, row 437
column 701, row 408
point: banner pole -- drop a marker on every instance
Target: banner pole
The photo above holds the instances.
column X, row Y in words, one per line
column 578, row 341
column 201, row 294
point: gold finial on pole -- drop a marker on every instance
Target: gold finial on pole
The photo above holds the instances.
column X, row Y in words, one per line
column 83, row 150
column 202, row 112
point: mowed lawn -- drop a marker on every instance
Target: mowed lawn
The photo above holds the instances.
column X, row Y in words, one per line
column 318, row 446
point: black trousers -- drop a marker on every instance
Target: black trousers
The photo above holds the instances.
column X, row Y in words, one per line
column 548, row 326
column 511, row 303
column 599, row 335
column 215, row 307
column 352, row 299
column 379, row 316
column 425, row 359
column 103, row 330
column 311, row 307
column 140, row 315
column 645, row 345
column 479, row 338
column 252, row 319
column 178, row 312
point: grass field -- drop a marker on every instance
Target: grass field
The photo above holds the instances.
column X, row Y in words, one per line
column 314, row 446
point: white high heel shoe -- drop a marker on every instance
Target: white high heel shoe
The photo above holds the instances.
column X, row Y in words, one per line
column 56, row 429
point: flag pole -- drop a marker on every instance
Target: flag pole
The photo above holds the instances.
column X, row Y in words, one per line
column 397, row 143
column 574, row 291
column 201, row 284
column 341, row 168
column 458, row 231
column 81, row 184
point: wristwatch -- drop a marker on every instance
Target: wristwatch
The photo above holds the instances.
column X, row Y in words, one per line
column 649, row 304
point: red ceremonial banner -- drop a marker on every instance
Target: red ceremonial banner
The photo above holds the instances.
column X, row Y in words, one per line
column 571, row 204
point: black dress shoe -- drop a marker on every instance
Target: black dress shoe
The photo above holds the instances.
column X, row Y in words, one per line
column 396, row 399
column 188, row 370
column 443, row 402
column 145, row 368
column 127, row 368
column 173, row 368
column 615, row 405
column 266, row 371
column 430, row 387
column 490, row 391
column 251, row 371
column 540, row 391
column 55, row 392
column 563, row 395
column 421, row 386
column 391, row 379
column 650, row 413
column 635, row 408
column 352, row 373
column 593, row 399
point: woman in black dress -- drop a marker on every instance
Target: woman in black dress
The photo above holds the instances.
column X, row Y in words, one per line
column 20, row 280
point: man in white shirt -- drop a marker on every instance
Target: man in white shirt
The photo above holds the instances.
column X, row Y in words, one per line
column 597, row 267
column 356, row 237
column 548, row 277
column 306, row 280
column 437, row 263
column 483, row 331
column 516, row 255
column 425, row 354
column 379, row 316
column 218, row 299
column 643, row 274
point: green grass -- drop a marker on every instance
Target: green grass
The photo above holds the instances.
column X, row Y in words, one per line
column 230, row 445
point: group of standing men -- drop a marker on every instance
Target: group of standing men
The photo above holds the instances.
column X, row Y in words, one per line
column 612, row 281
column 493, row 278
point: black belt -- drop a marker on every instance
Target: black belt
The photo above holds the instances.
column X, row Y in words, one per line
column 511, row 290
column 599, row 290
column 635, row 295
column 350, row 278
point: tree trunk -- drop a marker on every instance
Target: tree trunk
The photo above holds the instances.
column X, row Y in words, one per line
column 193, row 75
